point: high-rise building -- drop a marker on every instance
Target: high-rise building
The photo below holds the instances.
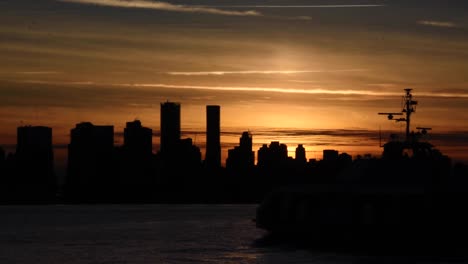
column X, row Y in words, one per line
column 138, row 139
column 34, row 139
column 301, row 154
column 170, row 126
column 34, row 159
column 86, row 136
column 213, row 137
column 241, row 157
column 90, row 156
column 245, row 142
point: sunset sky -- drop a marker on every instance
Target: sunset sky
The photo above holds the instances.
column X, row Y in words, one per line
column 311, row 72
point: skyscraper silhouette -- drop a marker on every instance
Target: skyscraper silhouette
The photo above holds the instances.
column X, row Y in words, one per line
column 34, row 160
column 138, row 139
column 213, row 141
column 300, row 154
column 90, row 156
column 241, row 158
column 170, row 127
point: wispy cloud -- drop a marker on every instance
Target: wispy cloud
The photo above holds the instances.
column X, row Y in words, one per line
column 37, row 72
column 292, row 6
column 350, row 92
column 265, row 89
column 446, row 24
column 200, row 73
column 303, row 81
column 297, row 91
column 158, row 5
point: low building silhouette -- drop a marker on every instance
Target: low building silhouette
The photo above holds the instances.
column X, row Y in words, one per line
column 330, row 155
column 274, row 155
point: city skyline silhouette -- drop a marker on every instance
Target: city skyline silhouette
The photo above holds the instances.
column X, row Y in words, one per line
column 135, row 173
column 233, row 131
column 283, row 69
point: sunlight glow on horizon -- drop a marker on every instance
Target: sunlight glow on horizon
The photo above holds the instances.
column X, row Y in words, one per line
column 111, row 61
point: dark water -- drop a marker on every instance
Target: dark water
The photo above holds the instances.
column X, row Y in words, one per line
column 151, row 234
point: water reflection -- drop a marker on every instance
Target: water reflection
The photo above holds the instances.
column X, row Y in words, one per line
column 149, row 234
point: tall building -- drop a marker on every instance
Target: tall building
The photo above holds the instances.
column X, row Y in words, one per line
column 241, row 157
column 34, row 160
column 34, row 146
column 34, row 139
column 213, row 136
column 170, row 126
column 301, row 154
column 138, row 139
column 90, row 156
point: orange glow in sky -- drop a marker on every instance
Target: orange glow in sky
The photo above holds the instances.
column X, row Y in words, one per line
column 271, row 68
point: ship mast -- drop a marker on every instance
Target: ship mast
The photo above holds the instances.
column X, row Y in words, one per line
column 409, row 107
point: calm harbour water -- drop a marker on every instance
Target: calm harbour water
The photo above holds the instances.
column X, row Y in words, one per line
column 117, row 234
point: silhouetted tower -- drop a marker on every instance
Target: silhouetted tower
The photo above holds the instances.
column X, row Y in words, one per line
column 90, row 156
column 241, row 158
column 262, row 155
column 34, row 145
column 213, row 141
column 35, row 160
column 245, row 142
column 301, row 154
column 189, row 155
column 138, row 139
column 170, row 126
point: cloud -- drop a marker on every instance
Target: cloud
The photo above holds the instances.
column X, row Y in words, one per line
column 303, row 18
column 350, row 92
column 445, row 24
column 37, row 72
column 202, row 73
column 158, row 5
column 262, row 89
column 293, row 6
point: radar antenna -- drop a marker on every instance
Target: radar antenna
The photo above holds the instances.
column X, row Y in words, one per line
column 409, row 107
column 423, row 130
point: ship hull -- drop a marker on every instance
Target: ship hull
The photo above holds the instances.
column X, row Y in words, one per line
column 366, row 216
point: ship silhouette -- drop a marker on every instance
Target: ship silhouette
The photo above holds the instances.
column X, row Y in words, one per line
column 409, row 198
